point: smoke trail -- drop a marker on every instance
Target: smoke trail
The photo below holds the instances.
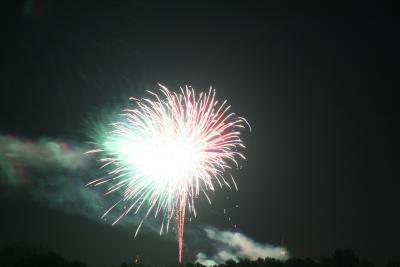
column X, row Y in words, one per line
column 55, row 173
column 20, row 158
column 236, row 246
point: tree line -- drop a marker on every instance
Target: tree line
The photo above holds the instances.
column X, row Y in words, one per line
column 17, row 255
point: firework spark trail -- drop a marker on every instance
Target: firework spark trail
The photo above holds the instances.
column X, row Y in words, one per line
column 168, row 150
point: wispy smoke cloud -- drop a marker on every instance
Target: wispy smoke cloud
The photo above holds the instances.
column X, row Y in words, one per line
column 22, row 159
column 49, row 171
column 236, row 246
column 55, row 173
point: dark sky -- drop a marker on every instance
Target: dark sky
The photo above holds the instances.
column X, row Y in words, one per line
column 316, row 81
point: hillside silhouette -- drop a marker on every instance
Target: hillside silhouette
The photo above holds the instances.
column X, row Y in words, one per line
column 23, row 255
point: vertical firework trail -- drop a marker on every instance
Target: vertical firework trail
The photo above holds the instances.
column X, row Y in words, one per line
column 166, row 151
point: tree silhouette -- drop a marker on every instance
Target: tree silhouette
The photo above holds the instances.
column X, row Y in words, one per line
column 16, row 255
column 393, row 263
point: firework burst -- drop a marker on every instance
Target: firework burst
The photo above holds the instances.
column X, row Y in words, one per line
column 168, row 150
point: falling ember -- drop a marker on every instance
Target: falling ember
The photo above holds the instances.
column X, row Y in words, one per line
column 168, row 150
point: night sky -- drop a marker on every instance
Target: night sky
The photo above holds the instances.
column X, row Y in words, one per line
column 316, row 81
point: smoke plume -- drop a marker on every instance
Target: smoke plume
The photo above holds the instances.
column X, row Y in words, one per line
column 236, row 246
column 54, row 173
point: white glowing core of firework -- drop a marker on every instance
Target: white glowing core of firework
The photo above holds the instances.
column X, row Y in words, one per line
column 170, row 161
